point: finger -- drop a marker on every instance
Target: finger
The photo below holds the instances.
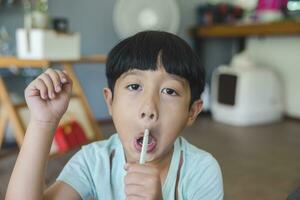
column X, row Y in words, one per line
column 134, row 190
column 41, row 87
column 134, row 197
column 55, row 79
column 145, row 169
column 62, row 76
column 65, row 77
column 140, row 179
column 49, row 84
column 134, row 178
column 33, row 92
column 67, row 81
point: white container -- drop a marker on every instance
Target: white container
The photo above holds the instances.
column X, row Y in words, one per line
column 47, row 44
column 246, row 96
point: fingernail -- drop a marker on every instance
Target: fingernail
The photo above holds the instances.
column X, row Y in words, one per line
column 64, row 80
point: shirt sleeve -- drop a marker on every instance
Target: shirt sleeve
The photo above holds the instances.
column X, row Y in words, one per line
column 206, row 181
column 77, row 174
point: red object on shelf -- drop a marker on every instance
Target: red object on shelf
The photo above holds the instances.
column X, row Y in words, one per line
column 79, row 133
column 69, row 135
column 60, row 140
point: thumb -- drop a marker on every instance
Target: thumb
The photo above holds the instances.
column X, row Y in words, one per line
column 33, row 92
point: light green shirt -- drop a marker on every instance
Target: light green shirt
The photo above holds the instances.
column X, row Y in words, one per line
column 96, row 172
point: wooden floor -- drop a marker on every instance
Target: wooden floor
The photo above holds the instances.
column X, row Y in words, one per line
column 258, row 163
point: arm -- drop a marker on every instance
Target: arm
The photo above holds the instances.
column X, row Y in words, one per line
column 46, row 109
column 60, row 190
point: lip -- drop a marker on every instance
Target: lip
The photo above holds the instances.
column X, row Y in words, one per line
column 151, row 146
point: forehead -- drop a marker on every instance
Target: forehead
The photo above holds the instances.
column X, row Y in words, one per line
column 154, row 74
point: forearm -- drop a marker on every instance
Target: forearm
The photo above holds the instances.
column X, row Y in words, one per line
column 27, row 180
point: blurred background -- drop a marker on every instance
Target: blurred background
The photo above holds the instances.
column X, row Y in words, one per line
column 249, row 48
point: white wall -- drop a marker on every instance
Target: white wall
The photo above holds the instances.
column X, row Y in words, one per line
column 281, row 54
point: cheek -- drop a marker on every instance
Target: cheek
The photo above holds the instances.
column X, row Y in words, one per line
column 174, row 121
column 170, row 129
column 122, row 113
column 122, row 105
column 173, row 117
column 174, row 108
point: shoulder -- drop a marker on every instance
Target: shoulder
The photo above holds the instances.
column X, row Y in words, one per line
column 103, row 147
column 90, row 159
column 195, row 156
column 201, row 173
column 94, row 155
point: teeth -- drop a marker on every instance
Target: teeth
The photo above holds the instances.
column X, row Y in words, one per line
column 140, row 140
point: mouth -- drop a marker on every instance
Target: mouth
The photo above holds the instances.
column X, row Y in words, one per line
column 138, row 143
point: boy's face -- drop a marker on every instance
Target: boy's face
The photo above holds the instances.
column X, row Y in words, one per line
column 155, row 100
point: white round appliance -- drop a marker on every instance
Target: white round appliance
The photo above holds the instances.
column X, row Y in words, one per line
column 132, row 16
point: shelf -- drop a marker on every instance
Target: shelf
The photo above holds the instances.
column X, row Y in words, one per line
column 6, row 61
column 243, row 30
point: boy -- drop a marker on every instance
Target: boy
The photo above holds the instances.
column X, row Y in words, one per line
column 154, row 83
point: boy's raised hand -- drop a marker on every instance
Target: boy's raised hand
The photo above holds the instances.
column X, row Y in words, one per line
column 48, row 96
column 142, row 182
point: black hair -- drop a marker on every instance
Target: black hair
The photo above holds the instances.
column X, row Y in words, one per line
column 142, row 51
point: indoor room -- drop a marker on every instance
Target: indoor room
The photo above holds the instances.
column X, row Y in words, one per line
column 160, row 99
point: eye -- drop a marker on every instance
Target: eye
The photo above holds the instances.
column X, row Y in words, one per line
column 169, row 91
column 133, row 87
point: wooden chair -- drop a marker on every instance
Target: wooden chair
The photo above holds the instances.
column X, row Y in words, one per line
column 9, row 110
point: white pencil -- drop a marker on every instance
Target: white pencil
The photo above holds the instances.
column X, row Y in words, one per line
column 144, row 147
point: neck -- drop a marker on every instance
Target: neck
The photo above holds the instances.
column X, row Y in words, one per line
column 163, row 162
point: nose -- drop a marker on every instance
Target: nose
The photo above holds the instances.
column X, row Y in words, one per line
column 148, row 111
column 148, row 115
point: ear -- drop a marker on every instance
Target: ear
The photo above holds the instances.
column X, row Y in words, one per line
column 107, row 93
column 195, row 109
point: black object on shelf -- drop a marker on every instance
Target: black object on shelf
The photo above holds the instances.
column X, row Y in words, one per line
column 208, row 14
column 7, row 3
column 60, row 25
